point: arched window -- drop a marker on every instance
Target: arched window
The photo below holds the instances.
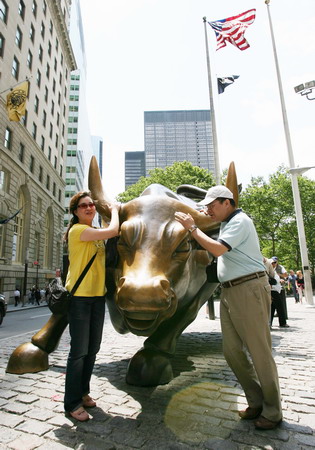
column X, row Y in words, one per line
column 18, row 232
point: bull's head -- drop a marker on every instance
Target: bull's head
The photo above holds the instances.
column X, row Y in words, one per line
column 160, row 268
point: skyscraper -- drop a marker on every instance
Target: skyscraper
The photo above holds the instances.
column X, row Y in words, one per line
column 171, row 136
column 134, row 167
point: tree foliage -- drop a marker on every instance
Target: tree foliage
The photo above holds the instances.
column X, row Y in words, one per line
column 170, row 177
column 271, row 206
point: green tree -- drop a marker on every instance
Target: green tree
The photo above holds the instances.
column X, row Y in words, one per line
column 170, row 177
column 271, row 206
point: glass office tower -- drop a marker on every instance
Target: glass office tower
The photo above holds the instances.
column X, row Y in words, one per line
column 171, row 136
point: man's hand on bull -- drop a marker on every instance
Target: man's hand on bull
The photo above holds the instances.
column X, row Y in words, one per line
column 185, row 219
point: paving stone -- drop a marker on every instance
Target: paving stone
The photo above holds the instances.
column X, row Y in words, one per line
column 34, row 427
column 8, row 435
column 25, row 443
column 10, row 420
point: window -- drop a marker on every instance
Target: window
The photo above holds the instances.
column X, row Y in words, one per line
column 15, row 68
column 57, row 44
column 40, row 178
column 38, row 78
column 72, row 142
column 29, row 59
column 55, row 162
column 63, row 129
column 61, row 150
column 36, row 104
column 24, row 118
column 56, row 140
column 32, row 33
column 42, row 30
column 61, row 59
column 59, row 195
column 32, row 163
column 51, row 28
column 42, row 144
column 3, row 11
column 58, row 118
column 49, row 48
column 52, row 107
column 21, row 152
column 46, row 94
column 60, row 171
column 51, row 130
column 18, row 231
column 48, row 182
column 44, row 7
column 34, row 8
column 22, row 9
column 55, row 65
column 8, row 138
column 47, row 70
column 40, row 53
column 44, row 118
column 49, row 153
column 4, row 181
column 18, row 37
column 2, row 41
column 59, row 98
column 54, row 189
column 34, row 130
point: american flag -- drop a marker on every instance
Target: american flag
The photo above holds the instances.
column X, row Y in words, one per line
column 233, row 28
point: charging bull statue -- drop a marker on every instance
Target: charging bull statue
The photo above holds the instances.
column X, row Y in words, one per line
column 155, row 287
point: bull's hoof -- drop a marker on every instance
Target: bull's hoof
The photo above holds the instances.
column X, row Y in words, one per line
column 27, row 358
column 149, row 368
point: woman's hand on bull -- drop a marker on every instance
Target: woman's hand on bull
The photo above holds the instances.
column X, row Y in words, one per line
column 115, row 206
column 185, row 219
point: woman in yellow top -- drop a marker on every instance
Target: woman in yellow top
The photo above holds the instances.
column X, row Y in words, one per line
column 87, row 308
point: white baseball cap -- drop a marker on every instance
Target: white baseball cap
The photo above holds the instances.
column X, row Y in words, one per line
column 216, row 192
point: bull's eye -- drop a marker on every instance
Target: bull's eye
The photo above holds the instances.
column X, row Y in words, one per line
column 183, row 248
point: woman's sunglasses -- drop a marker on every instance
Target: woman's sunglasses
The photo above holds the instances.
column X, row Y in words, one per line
column 86, row 205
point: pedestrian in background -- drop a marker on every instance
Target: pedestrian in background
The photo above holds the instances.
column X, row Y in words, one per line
column 277, row 304
column 300, row 284
column 17, row 296
column 245, row 304
column 281, row 271
column 292, row 284
column 87, row 307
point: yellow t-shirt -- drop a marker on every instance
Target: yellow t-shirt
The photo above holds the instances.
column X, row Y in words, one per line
column 80, row 253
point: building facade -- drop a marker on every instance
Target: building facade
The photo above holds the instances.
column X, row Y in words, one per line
column 134, row 167
column 34, row 45
column 171, row 136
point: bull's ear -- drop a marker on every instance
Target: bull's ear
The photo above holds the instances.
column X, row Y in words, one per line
column 98, row 195
column 231, row 182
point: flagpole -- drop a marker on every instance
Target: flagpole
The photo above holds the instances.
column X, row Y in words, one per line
column 294, row 179
column 12, row 87
column 212, row 113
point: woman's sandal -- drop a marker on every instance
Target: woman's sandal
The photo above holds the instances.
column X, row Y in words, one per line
column 88, row 402
column 80, row 414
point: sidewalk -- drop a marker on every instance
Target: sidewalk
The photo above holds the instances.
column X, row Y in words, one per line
column 197, row 410
column 19, row 307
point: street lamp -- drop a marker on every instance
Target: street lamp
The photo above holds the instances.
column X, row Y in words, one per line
column 306, row 89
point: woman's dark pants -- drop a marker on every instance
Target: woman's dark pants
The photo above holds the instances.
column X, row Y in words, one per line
column 86, row 319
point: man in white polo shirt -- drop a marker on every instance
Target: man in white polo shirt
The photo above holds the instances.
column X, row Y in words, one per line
column 245, row 304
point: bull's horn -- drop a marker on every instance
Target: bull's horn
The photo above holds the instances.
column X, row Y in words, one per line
column 231, row 181
column 96, row 188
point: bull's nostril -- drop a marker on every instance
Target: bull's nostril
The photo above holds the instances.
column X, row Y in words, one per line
column 165, row 285
column 121, row 282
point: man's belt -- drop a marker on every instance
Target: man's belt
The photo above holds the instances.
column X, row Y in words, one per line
column 241, row 280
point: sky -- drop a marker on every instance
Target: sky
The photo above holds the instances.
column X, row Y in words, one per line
column 150, row 55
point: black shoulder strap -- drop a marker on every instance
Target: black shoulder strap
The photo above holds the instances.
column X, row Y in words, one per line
column 75, row 287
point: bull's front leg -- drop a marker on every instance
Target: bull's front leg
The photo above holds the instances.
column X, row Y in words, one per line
column 32, row 356
column 151, row 366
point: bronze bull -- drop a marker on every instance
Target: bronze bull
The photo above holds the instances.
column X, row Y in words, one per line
column 155, row 288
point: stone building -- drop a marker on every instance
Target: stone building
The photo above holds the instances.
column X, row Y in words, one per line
column 34, row 45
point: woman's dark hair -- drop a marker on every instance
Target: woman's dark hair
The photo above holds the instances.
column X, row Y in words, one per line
column 222, row 199
column 73, row 205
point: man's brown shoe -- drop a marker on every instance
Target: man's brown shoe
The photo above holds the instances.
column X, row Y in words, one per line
column 250, row 413
column 265, row 424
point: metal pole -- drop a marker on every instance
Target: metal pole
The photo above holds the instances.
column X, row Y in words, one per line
column 25, row 278
column 212, row 113
column 294, row 179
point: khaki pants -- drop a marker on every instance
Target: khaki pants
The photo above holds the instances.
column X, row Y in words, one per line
column 244, row 313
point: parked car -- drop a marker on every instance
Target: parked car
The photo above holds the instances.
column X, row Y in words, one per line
column 3, row 307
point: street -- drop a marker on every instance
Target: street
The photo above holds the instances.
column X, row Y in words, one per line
column 23, row 321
